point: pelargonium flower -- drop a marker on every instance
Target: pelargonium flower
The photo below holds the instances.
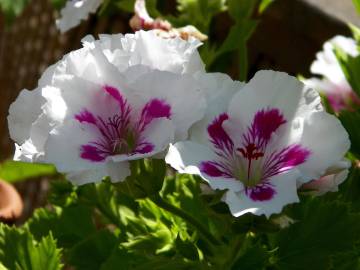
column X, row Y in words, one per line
column 75, row 11
column 261, row 141
column 334, row 84
column 90, row 119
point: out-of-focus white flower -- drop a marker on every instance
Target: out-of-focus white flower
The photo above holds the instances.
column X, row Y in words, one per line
column 257, row 141
column 333, row 83
column 101, row 106
column 163, row 28
column 75, row 11
column 330, row 182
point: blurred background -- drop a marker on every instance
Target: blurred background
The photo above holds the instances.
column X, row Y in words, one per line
column 287, row 37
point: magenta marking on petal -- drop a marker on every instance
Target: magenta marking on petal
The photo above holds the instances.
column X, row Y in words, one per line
column 263, row 192
column 144, row 148
column 91, row 153
column 284, row 160
column 214, row 169
column 264, row 124
column 153, row 109
column 116, row 94
column 294, row 156
column 219, row 138
column 86, row 116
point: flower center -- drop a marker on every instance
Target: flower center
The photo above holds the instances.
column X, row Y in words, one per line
column 249, row 170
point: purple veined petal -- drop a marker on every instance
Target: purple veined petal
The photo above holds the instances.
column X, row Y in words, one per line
column 116, row 94
column 265, row 123
column 92, row 153
column 219, row 137
column 215, row 169
column 86, row 116
column 143, row 148
column 285, row 160
column 155, row 108
column 262, row 192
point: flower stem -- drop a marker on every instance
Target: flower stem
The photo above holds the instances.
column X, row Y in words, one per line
column 180, row 213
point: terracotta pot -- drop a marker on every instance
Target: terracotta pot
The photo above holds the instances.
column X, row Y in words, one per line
column 11, row 205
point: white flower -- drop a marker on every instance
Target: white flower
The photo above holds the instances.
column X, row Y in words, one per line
column 260, row 142
column 75, row 11
column 333, row 83
column 89, row 116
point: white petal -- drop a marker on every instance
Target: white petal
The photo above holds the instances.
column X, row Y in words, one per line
column 22, row 113
column 271, row 89
column 326, row 63
column 175, row 55
column 74, row 12
column 286, row 193
column 328, row 183
column 160, row 133
column 181, row 92
column 118, row 171
column 186, row 157
column 87, row 176
column 218, row 90
column 63, row 147
column 327, row 141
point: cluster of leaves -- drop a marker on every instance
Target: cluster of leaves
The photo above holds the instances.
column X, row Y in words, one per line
column 104, row 226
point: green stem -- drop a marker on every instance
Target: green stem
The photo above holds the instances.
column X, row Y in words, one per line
column 180, row 213
column 235, row 251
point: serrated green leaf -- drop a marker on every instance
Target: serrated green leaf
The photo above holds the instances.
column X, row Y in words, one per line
column 69, row 225
column 187, row 249
column 15, row 171
column 321, row 229
column 20, row 251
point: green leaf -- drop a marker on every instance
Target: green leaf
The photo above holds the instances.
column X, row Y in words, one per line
column 198, row 13
column 264, row 4
column 355, row 31
column 350, row 121
column 69, row 225
column 187, row 249
column 20, row 251
column 252, row 257
column 124, row 259
column 58, row 4
column 12, row 8
column 350, row 190
column 357, row 5
column 351, row 68
column 93, row 251
column 239, row 10
column 184, row 191
column 15, row 171
column 346, row 261
column 321, row 230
